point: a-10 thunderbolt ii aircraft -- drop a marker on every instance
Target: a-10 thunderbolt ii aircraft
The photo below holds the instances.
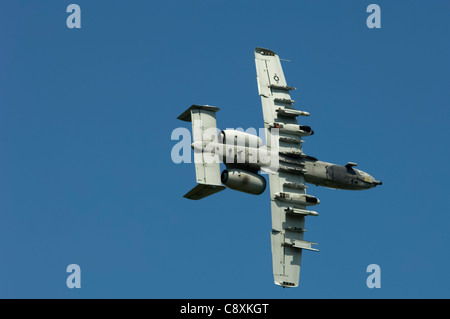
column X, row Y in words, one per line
column 283, row 158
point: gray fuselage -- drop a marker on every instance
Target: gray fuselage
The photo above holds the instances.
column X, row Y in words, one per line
column 336, row 176
column 315, row 172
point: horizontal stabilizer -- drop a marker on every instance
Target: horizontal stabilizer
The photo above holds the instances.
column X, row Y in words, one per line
column 203, row 118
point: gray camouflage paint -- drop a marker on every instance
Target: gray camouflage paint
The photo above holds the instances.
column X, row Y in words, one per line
column 337, row 176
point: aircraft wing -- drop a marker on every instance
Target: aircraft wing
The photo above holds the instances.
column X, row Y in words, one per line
column 288, row 218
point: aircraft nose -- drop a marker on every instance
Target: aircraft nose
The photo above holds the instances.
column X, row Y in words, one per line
column 376, row 183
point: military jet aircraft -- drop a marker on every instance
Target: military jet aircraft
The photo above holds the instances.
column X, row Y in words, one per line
column 245, row 156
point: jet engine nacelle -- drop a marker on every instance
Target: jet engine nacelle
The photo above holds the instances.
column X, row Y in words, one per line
column 244, row 181
column 239, row 138
column 303, row 199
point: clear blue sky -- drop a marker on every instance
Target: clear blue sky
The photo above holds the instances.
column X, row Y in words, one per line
column 86, row 175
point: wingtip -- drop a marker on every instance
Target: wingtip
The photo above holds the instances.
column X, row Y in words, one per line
column 285, row 284
column 264, row 51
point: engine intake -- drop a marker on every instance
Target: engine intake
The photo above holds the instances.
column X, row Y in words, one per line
column 244, row 181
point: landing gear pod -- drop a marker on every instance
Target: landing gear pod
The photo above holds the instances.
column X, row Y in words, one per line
column 244, row 181
column 302, row 199
column 300, row 130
